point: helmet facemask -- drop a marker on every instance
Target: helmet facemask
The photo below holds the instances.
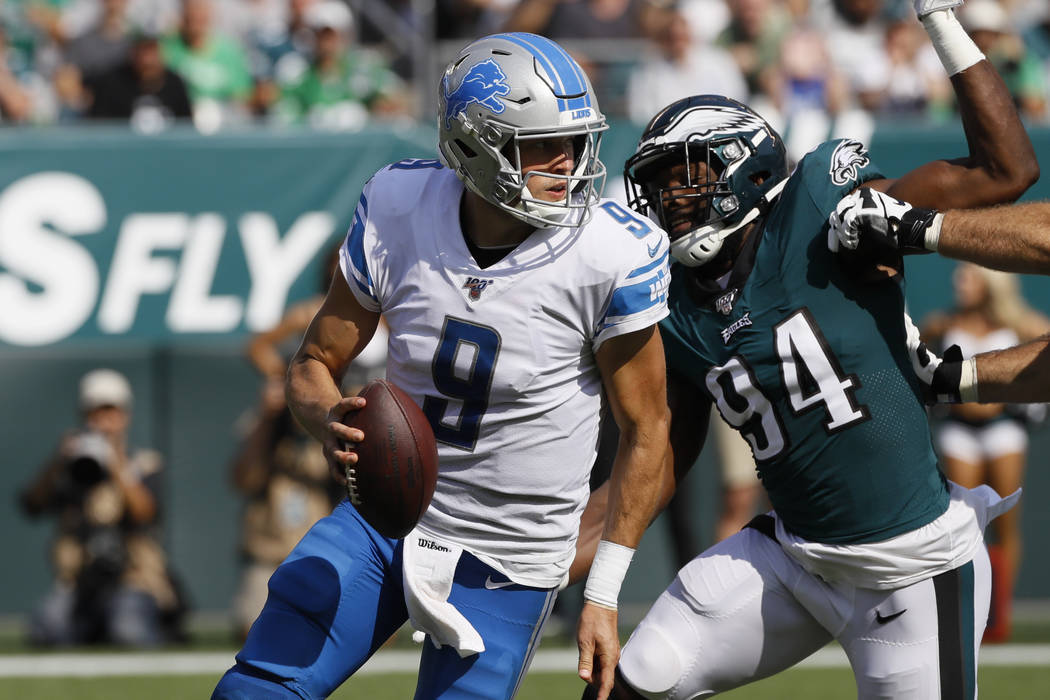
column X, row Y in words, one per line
column 700, row 210
column 510, row 190
column 681, row 186
column 583, row 184
column 706, row 167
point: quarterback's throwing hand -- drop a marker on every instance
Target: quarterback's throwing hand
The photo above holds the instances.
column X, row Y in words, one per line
column 599, row 645
column 882, row 221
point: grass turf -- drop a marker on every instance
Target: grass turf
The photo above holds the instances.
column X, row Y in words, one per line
column 1000, row 683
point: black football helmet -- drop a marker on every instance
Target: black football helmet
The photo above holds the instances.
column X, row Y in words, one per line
column 746, row 171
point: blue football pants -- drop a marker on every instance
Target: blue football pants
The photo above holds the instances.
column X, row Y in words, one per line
column 339, row 596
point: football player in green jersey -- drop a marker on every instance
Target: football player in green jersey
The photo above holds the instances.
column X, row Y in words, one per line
column 867, row 542
column 1014, row 239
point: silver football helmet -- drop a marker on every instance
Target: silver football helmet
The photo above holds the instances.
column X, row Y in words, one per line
column 508, row 88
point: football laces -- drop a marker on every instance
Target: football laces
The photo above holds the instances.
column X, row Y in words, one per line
column 351, row 486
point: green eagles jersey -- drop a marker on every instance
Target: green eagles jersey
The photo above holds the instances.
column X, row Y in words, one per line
column 810, row 364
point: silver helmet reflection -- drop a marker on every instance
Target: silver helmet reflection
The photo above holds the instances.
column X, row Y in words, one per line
column 506, row 89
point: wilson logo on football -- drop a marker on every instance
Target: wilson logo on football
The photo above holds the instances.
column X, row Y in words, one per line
column 476, row 286
column 431, row 544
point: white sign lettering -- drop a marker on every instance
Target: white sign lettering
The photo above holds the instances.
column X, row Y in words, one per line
column 49, row 282
column 38, row 214
column 275, row 263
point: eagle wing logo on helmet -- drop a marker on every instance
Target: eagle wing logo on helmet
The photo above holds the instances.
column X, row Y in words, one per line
column 702, row 123
column 846, row 159
column 483, row 83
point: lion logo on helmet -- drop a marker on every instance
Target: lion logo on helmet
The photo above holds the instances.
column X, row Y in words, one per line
column 848, row 157
column 483, row 84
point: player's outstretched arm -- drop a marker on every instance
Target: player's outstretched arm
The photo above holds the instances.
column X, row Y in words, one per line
column 339, row 331
column 1020, row 374
column 1014, row 238
column 1017, row 375
column 633, row 374
column 1001, row 164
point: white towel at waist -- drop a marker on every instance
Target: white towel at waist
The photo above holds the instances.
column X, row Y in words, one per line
column 946, row 543
column 429, row 567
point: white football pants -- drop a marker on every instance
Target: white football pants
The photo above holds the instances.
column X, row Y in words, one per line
column 744, row 610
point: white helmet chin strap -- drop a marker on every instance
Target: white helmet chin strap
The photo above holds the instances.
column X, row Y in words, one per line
column 697, row 247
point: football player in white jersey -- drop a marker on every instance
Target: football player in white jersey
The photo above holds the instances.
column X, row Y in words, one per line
column 517, row 300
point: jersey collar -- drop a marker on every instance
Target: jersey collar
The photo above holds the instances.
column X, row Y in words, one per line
column 706, row 292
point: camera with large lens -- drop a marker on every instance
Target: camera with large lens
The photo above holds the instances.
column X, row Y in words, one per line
column 90, row 456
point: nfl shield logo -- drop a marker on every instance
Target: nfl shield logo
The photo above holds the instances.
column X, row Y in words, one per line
column 724, row 303
column 476, row 287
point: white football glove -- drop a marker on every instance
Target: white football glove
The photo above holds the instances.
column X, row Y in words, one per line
column 923, row 362
column 941, row 376
column 883, row 220
column 925, row 7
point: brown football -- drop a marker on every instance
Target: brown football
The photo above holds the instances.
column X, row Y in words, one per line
column 393, row 481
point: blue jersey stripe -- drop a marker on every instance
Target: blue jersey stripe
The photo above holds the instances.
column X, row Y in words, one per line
column 654, row 264
column 355, row 248
column 558, row 64
column 364, row 288
column 635, row 298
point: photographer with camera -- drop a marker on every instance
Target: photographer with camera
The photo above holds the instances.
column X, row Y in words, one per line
column 112, row 583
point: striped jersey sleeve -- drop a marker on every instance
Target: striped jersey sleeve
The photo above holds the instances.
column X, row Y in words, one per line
column 353, row 258
column 639, row 298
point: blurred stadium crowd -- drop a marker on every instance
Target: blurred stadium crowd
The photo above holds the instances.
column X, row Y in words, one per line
column 811, row 65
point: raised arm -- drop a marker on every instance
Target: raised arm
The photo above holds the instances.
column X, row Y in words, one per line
column 633, row 374
column 339, row 331
column 1001, row 164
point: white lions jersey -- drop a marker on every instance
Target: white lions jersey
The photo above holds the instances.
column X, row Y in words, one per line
column 501, row 359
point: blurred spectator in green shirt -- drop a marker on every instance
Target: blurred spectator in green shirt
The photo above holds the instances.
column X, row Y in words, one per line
column 342, row 84
column 214, row 67
column 989, row 26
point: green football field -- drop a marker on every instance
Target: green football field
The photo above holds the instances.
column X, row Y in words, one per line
column 999, row 683
column 1016, row 671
